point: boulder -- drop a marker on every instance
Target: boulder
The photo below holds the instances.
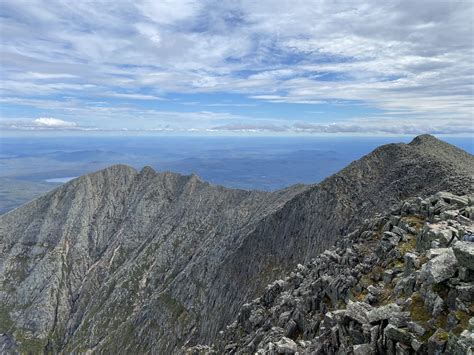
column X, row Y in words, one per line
column 411, row 262
column 383, row 312
column 388, row 276
column 464, row 344
column 465, row 274
column 358, row 311
column 465, row 292
column 440, row 268
column 388, row 242
column 437, row 342
column 286, row 346
column 399, row 319
column 397, row 334
column 464, row 252
column 439, row 234
column 416, row 328
column 362, row 349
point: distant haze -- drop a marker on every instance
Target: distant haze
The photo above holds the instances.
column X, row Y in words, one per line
column 30, row 167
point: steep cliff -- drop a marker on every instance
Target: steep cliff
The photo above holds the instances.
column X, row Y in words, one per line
column 126, row 261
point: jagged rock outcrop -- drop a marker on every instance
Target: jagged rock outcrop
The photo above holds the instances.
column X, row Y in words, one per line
column 127, row 261
column 362, row 297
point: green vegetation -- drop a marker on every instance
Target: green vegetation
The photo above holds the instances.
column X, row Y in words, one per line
column 172, row 304
column 407, row 246
column 6, row 322
column 29, row 344
column 414, row 221
column 463, row 319
column 417, row 309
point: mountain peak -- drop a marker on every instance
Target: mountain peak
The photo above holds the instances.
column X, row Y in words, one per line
column 424, row 138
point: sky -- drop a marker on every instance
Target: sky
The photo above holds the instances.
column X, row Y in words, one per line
column 245, row 67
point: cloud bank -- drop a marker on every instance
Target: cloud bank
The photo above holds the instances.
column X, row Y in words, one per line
column 114, row 64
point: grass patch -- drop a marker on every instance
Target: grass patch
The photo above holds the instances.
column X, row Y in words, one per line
column 171, row 304
column 28, row 344
column 463, row 319
column 408, row 246
column 417, row 309
column 414, row 221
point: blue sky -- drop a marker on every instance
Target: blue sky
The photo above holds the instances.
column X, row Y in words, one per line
column 240, row 67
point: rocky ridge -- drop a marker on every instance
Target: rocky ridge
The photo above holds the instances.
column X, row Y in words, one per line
column 402, row 283
column 122, row 261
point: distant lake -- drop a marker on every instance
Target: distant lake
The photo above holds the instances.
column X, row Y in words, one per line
column 61, row 180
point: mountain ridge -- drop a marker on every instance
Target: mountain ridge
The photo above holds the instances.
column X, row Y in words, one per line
column 153, row 254
column 400, row 283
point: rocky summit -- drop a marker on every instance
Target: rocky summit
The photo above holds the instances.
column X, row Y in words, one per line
column 402, row 283
column 121, row 261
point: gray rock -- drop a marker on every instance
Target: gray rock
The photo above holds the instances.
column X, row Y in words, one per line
column 384, row 312
column 465, row 274
column 437, row 342
column 464, row 252
column 402, row 349
column 411, row 262
column 286, row 346
column 416, row 345
column 399, row 319
column 465, row 292
column 416, row 328
column 358, row 311
column 362, row 349
column 388, row 276
column 397, row 334
column 440, row 268
column 464, row 344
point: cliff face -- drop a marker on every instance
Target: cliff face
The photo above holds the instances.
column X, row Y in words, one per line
column 126, row 261
column 402, row 283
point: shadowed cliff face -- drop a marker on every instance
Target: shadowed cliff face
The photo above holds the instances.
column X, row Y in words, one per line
column 131, row 261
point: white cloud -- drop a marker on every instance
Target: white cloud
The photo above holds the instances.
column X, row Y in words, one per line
column 42, row 124
column 53, row 122
column 370, row 126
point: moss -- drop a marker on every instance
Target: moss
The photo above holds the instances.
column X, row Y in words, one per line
column 172, row 304
column 442, row 335
column 417, row 309
column 427, row 335
column 386, row 295
column 414, row 221
column 357, row 296
column 407, row 246
column 365, row 281
column 442, row 320
column 28, row 344
column 463, row 319
column 341, row 304
column 6, row 322
column 376, row 273
column 399, row 264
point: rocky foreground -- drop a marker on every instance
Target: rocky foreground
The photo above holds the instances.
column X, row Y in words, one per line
column 402, row 283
